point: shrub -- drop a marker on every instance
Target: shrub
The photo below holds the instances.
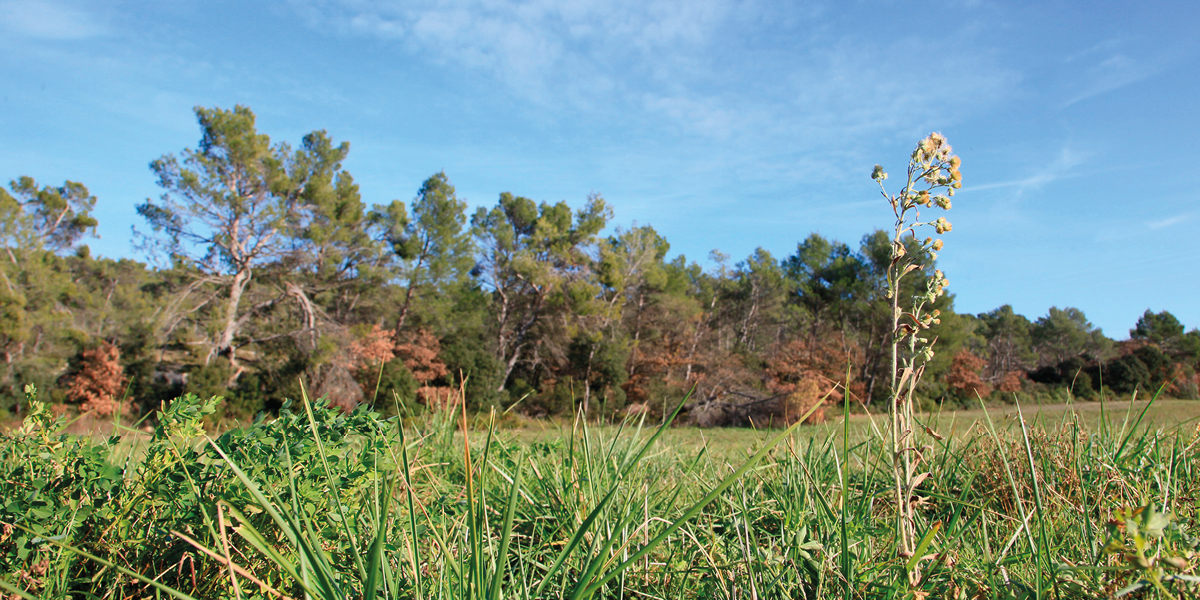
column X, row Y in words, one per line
column 1126, row 374
column 97, row 380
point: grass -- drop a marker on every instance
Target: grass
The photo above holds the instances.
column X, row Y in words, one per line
column 1069, row 503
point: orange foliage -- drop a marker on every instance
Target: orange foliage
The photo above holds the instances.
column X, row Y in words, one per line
column 439, row 398
column 99, row 379
column 1183, row 383
column 805, row 395
column 376, row 348
column 420, row 353
column 964, row 374
column 658, row 360
column 821, row 361
column 1011, row 382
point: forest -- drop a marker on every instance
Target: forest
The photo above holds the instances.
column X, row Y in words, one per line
column 265, row 268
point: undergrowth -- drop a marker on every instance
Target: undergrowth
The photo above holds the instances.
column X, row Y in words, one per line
column 328, row 504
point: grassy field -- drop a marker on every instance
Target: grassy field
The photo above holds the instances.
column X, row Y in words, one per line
column 729, row 441
column 1077, row 503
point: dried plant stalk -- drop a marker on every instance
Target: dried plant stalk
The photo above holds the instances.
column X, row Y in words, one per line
column 932, row 177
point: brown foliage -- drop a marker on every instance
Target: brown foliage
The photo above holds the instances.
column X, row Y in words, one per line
column 668, row 359
column 99, row 380
column 1011, row 382
column 964, row 374
column 818, row 360
column 439, row 397
column 805, row 395
column 376, row 348
column 420, row 351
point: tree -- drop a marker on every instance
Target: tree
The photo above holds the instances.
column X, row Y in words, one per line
column 829, row 280
column 236, row 206
column 332, row 256
column 535, row 261
column 1166, row 332
column 630, row 271
column 97, row 380
column 51, row 218
column 963, row 375
column 755, row 299
column 1009, row 345
column 38, row 292
column 434, row 244
column 1065, row 333
column 629, row 267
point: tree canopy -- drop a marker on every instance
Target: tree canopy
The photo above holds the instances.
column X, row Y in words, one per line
column 268, row 268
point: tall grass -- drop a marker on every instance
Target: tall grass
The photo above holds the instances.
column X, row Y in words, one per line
column 1012, row 509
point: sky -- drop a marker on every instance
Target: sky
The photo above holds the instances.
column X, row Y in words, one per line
column 724, row 124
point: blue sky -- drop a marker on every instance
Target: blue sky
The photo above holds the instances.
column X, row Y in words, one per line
column 725, row 124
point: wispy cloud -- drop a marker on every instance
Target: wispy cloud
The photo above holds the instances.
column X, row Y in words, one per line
column 1009, row 204
column 1169, row 221
column 703, row 65
column 47, row 20
column 1063, row 166
column 535, row 46
column 1112, row 73
column 1117, row 63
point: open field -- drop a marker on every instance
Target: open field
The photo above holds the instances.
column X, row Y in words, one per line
column 1077, row 505
column 1165, row 414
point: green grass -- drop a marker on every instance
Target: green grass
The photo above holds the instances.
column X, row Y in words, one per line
column 1075, row 504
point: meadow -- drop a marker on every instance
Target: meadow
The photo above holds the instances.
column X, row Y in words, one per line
column 1069, row 501
column 334, row 501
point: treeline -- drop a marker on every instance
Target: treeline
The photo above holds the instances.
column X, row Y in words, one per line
column 269, row 270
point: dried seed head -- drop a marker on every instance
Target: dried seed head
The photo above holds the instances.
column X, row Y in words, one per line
column 943, row 202
column 937, row 245
column 877, row 174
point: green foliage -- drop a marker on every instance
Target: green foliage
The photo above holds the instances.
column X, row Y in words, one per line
column 1064, row 333
column 1127, row 374
column 333, row 504
column 50, row 218
column 266, row 260
column 1157, row 328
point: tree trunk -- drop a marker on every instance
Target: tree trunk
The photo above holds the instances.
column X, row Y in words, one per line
column 224, row 343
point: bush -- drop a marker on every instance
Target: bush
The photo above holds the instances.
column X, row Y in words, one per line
column 1127, row 374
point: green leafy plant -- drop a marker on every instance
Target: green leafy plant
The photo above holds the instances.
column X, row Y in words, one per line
column 1151, row 551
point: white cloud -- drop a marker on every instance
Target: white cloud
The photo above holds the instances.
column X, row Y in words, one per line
column 1063, row 166
column 1010, row 204
column 1169, row 221
column 1110, row 74
column 528, row 45
column 731, row 70
column 47, row 20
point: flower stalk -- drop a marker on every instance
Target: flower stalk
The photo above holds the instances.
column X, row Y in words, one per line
column 931, row 179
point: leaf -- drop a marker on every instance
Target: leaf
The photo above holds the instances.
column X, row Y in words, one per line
column 916, row 481
column 926, row 540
